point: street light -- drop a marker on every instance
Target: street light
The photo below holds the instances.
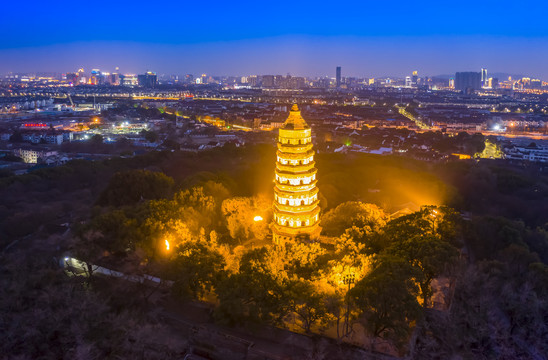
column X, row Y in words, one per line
column 258, row 218
column 348, row 279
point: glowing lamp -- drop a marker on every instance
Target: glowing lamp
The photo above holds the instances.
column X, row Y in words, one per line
column 258, row 218
column 167, row 245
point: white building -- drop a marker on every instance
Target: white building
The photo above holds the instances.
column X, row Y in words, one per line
column 529, row 153
column 31, row 155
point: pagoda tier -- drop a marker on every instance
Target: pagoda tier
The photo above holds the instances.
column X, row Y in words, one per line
column 296, row 204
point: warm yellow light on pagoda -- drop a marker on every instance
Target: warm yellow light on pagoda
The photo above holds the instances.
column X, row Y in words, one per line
column 167, row 244
column 296, row 209
column 258, row 218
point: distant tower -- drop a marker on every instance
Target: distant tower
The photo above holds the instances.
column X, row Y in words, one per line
column 484, row 77
column 338, row 77
column 415, row 78
column 296, row 205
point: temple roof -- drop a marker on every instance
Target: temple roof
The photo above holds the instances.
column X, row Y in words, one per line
column 295, row 121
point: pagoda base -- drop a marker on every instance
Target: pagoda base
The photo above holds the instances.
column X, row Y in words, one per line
column 282, row 234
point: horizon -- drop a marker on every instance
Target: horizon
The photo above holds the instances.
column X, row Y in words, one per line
column 135, row 58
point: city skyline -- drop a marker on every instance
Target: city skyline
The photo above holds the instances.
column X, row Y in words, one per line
column 240, row 58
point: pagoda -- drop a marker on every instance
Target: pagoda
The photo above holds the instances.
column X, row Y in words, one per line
column 296, row 205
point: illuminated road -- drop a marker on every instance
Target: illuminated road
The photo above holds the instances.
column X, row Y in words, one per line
column 81, row 268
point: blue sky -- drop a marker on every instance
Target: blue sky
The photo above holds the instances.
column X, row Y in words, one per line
column 300, row 37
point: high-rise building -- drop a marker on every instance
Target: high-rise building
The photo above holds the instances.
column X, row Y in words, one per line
column 148, row 80
column 253, row 80
column 81, row 77
column 536, row 84
column 408, row 81
column 95, row 78
column 338, row 77
column 72, row 78
column 114, row 79
column 188, row 79
column 484, row 77
column 268, row 81
column 129, row 80
column 468, row 81
column 415, row 78
column 296, row 205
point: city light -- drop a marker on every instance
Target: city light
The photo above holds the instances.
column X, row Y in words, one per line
column 361, row 208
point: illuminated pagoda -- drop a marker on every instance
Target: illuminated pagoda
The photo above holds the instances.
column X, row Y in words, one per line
column 296, row 205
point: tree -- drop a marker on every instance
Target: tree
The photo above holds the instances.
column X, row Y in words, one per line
column 150, row 136
column 358, row 241
column 123, row 143
column 386, row 299
column 353, row 213
column 12, row 157
column 256, row 292
column 116, row 232
column 240, row 213
column 307, row 303
column 302, row 259
column 97, row 139
column 16, row 137
column 196, row 270
column 428, row 253
column 59, row 316
column 189, row 215
column 428, row 240
column 417, row 223
column 171, row 144
column 334, row 305
column 86, row 247
column 130, row 187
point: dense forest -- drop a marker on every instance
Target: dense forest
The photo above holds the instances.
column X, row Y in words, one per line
column 396, row 234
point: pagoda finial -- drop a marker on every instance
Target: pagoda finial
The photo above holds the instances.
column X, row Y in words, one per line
column 295, row 120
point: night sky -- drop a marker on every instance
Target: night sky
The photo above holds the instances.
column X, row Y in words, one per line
column 259, row 37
